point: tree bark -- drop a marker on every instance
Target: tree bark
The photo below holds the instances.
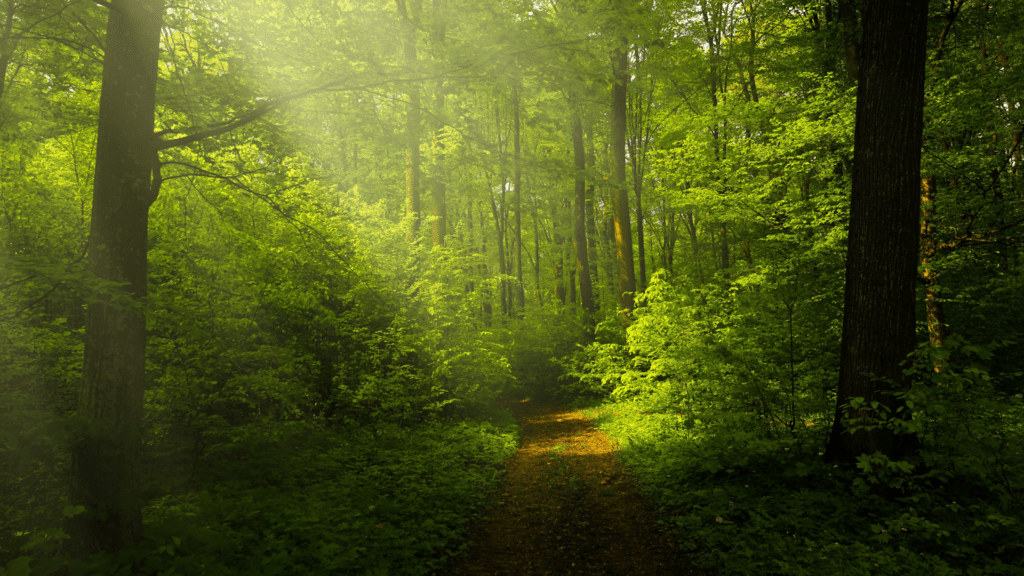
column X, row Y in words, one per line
column 107, row 451
column 412, row 116
column 579, row 217
column 517, row 181
column 934, row 310
column 882, row 254
column 620, row 194
column 483, row 268
column 559, row 251
column 536, row 257
column 440, row 200
column 591, row 224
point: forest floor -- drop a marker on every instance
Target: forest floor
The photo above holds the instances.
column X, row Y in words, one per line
column 568, row 507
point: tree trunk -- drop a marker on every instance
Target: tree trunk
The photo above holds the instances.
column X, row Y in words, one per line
column 934, row 310
column 483, row 268
column 471, row 243
column 440, row 200
column 536, row 257
column 579, row 217
column 517, row 181
column 591, row 224
column 725, row 254
column 106, row 454
column 620, row 194
column 501, row 254
column 412, row 116
column 559, row 250
column 884, row 234
column 691, row 230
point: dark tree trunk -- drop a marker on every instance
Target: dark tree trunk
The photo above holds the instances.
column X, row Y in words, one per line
column 884, row 234
column 579, row 217
column 106, row 453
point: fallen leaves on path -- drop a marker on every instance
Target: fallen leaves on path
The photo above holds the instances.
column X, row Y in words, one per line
column 568, row 507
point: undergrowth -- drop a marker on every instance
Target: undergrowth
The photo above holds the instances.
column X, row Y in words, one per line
column 773, row 507
column 395, row 501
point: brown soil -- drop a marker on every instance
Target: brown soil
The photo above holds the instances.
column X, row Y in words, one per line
column 568, row 507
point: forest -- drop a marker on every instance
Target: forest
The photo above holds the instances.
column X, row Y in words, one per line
column 467, row 287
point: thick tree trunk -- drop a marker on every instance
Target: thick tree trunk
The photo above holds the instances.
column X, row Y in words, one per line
column 107, row 451
column 579, row 217
column 620, row 193
column 884, row 235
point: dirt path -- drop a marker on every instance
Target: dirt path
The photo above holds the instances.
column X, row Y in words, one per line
column 567, row 507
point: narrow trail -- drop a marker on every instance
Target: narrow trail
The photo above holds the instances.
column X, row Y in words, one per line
column 567, row 507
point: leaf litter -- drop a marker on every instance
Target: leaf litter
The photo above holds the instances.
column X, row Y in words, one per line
column 568, row 507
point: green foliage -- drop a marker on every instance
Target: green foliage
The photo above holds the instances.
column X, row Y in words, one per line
column 393, row 501
column 747, row 502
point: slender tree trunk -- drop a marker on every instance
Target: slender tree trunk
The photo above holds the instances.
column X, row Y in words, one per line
column 502, row 270
column 517, row 181
column 725, row 253
column 641, row 252
column 934, row 310
column 580, row 217
column 608, row 229
column 471, row 242
column 106, row 455
column 559, row 251
column 591, row 225
column 536, row 257
column 355, row 163
column 440, row 200
column 410, row 16
column 670, row 241
column 483, row 268
column 884, row 233
column 691, row 230
column 620, row 194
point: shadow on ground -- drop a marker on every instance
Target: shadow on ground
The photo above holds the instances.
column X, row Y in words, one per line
column 568, row 507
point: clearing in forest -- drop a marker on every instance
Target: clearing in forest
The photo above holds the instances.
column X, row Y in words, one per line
column 567, row 507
